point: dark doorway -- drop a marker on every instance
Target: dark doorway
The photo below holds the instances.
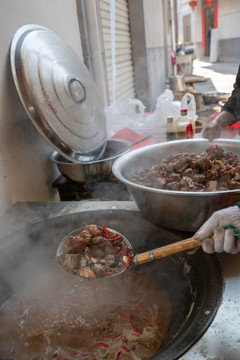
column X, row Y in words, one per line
column 209, row 24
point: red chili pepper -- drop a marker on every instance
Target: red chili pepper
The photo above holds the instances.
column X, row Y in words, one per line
column 116, row 336
column 85, row 355
column 146, row 320
column 125, row 348
column 168, row 179
column 136, row 335
column 124, row 339
column 105, row 232
column 235, row 163
column 200, row 185
column 127, row 317
column 232, row 158
column 129, row 260
column 138, row 331
column 120, row 253
column 76, row 353
column 23, row 315
column 118, row 355
column 108, row 273
column 116, row 238
column 117, row 242
column 103, row 345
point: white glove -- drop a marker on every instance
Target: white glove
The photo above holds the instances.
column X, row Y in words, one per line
column 213, row 235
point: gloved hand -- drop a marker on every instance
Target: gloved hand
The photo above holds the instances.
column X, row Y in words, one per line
column 213, row 235
column 214, row 128
column 212, row 131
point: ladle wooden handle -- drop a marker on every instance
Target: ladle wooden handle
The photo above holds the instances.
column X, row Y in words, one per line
column 167, row 250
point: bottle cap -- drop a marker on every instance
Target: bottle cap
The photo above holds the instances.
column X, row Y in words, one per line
column 184, row 111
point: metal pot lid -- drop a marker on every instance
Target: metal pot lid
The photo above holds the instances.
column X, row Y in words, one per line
column 58, row 93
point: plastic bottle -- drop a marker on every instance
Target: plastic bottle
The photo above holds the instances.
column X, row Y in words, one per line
column 181, row 124
column 170, row 133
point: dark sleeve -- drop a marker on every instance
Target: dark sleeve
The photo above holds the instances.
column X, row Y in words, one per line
column 233, row 103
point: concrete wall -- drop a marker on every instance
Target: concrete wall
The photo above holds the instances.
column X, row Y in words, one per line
column 154, row 33
column 25, row 172
column 148, row 45
column 196, row 24
column 228, row 19
column 229, row 30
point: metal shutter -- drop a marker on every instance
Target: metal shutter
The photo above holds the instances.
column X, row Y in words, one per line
column 124, row 75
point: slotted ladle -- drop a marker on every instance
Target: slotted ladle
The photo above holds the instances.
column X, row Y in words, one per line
column 137, row 259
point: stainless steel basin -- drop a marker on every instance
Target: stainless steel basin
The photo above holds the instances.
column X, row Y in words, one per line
column 179, row 210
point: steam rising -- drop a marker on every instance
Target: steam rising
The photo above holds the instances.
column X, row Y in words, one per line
column 30, row 270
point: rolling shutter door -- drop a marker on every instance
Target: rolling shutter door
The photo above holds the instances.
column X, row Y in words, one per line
column 124, row 76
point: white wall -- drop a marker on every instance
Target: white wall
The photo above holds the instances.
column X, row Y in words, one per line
column 228, row 19
column 25, row 172
column 184, row 9
column 153, row 23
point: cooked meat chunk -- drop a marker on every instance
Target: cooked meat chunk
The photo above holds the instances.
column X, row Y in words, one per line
column 100, row 269
column 110, row 260
column 100, row 240
column 233, row 184
column 173, row 186
column 98, row 252
column 175, row 176
column 213, row 185
column 214, row 170
column 199, row 178
column 189, row 172
column 214, row 152
column 236, row 177
column 204, row 163
column 95, row 252
column 161, row 182
column 223, row 176
column 72, row 261
column 92, row 230
column 75, row 244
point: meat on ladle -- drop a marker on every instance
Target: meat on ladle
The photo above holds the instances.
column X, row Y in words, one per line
column 97, row 252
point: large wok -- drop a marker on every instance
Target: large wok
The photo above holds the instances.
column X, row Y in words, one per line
column 193, row 283
column 177, row 210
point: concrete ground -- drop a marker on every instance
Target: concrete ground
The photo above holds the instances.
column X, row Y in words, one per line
column 219, row 76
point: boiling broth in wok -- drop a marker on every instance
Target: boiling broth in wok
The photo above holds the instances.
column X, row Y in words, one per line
column 55, row 318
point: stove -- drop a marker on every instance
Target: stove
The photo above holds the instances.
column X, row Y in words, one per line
column 104, row 189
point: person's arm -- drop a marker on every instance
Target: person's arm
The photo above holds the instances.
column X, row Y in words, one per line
column 214, row 128
column 215, row 237
column 233, row 103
